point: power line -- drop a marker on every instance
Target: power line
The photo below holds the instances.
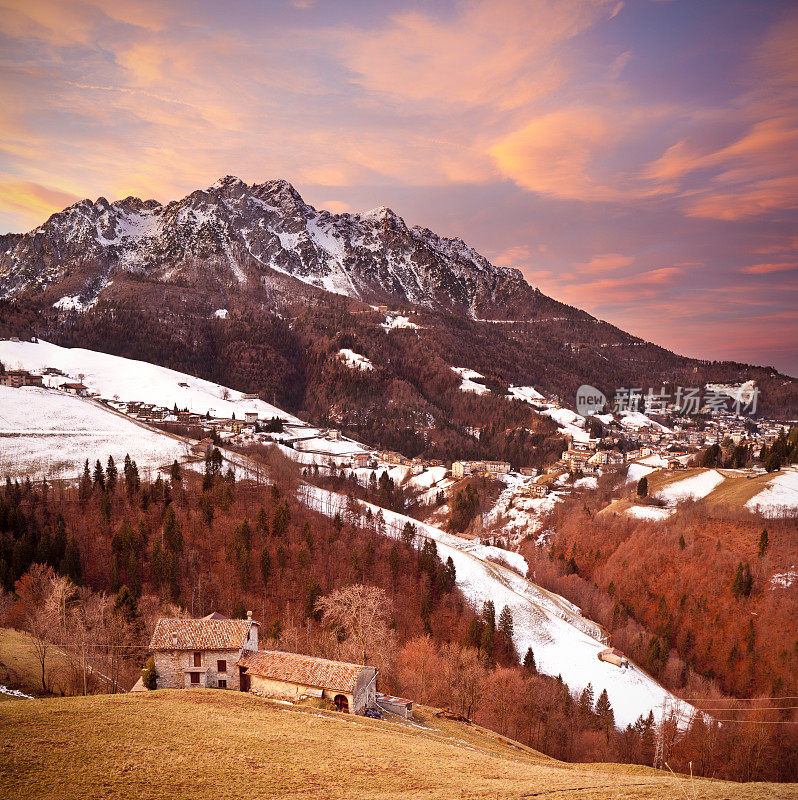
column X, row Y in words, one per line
column 748, row 708
column 758, row 721
column 736, row 699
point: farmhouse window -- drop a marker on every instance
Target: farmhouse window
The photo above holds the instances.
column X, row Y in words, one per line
column 221, row 666
column 195, row 677
column 197, row 659
column 222, row 684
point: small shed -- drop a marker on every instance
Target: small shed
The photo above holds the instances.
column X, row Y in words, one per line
column 614, row 656
column 292, row 676
column 400, row 706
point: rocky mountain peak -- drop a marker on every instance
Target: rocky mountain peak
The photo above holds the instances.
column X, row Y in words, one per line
column 234, row 235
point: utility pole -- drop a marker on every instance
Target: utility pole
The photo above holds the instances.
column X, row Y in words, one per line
column 83, row 659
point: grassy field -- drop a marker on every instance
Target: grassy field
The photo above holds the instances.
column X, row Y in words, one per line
column 212, row 744
column 20, row 669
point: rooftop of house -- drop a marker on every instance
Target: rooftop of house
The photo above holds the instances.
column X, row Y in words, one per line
column 303, row 670
column 201, row 634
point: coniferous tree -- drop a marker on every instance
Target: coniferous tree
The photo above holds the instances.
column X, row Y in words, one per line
column 70, row 564
column 99, row 476
column 506, row 623
column 642, row 487
column 110, row 474
column 529, row 661
column 604, row 712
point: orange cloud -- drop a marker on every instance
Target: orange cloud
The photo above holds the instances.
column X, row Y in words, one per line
column 606, row 262
column 494, row 52
column 766, row 269
column 34, row 200
column 336, row 206
column 512, row 257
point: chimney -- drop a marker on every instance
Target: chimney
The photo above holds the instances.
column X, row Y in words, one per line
column 174, row 639
column 249, row 615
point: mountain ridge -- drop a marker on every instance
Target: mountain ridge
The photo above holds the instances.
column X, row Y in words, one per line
column 241, row 234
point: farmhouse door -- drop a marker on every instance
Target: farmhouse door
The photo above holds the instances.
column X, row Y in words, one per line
column 244, row 679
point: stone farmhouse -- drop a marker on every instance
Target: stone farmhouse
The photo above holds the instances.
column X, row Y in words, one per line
column 194, row 653
column 216, row 652
column 291, row 676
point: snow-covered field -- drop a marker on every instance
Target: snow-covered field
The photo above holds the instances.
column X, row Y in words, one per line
column 526, row 393
column 569, row 422
column 355, row 360
column 779, row 498
column 636, row 419
column 693, row 488
column 650, row 513
column 335, row 447
column 563, row 641
column 44, row 432
column 644, row 466
column 468, row 383
column 398, row 322
column 125, row 379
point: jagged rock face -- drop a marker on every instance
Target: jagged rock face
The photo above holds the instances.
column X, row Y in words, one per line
column 235, row 236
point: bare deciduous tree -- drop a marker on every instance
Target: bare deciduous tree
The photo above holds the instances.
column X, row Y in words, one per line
column 361, row 612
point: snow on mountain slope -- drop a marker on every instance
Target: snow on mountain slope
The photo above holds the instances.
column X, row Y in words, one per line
column 779, row 498
column 526, row 393
column 44, row 432
column 468, row 383
column 570, row 423
column 693, row 488
column 234, row 235
column 114, row 377
column 636, row 420
column 355, row 360
column 650, row 513
column 644, row 466
column 563, row 641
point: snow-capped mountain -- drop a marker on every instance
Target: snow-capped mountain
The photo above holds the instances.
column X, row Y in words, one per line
column 237, row 236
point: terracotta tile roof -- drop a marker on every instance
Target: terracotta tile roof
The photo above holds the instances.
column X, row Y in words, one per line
column 304, row 670
column 200, row 634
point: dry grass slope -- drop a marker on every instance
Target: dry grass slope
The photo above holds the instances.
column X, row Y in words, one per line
column 211, row 744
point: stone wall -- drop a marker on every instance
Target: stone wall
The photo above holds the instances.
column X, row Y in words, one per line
column 365, row 693
column 170, row 666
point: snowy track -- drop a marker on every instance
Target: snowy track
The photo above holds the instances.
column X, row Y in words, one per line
column 564, row 642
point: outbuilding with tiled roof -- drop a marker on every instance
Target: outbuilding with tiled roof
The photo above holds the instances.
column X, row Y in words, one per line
column 291, row 676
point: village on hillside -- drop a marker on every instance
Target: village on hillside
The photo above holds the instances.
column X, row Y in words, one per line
column 593, row 444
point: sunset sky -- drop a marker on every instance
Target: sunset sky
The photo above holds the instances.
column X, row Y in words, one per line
column 636, row 158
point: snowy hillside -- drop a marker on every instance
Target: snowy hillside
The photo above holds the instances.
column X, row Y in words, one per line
column 563, row 641
column 780, row 498
column 49, row 433
column 126, row 380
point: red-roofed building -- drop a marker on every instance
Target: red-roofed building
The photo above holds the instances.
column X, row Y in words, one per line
column 291, row 676
column 193, row 653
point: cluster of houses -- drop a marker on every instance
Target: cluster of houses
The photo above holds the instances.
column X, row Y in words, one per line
column 17, row 378
column 372, row 459
column 221, row 653
column 149, row 412
column 464, row 469
column 20, row 377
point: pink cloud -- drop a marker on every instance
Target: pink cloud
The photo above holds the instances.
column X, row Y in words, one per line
column 606, row 262
column 766, row 269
